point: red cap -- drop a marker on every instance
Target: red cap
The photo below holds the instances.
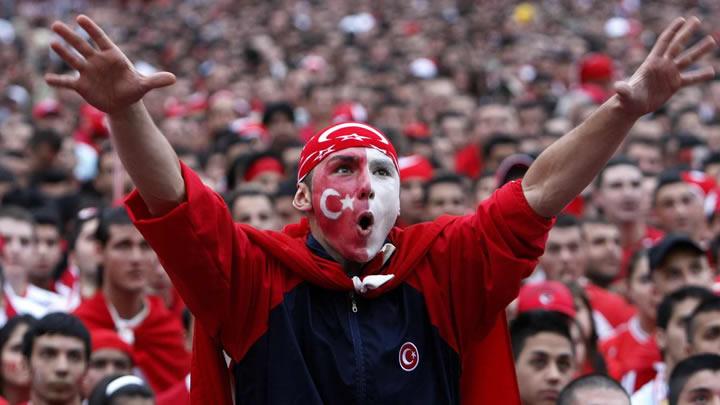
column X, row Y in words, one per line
column 108, row 339
column 349, row 112
column 339, row 137
column 415, row 167
column 547, row 295
column 416, row 130
column 46, row 108
column 596, row 67
column 262, row 165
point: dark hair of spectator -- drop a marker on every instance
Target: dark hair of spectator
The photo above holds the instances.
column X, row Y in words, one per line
column 666, row 178
column 56, row 323
column 7, row 331
column 109, row 217
column 710, row 304
column 571, row 392
column 594, row 358
column 444, row 178
column 273, row 109
column 247, row 192
column 568, row 221
column 529, row 324
column 684, row 370
column 669, row 302
column 495, row 140
column 616, row 161
column 17, row 213
column 48, row 137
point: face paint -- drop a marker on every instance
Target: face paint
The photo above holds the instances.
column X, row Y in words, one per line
column 356, row 200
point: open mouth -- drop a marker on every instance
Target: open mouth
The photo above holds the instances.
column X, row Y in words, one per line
column 365, row 222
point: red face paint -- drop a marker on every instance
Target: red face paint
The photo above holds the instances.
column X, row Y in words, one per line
column 355, row 201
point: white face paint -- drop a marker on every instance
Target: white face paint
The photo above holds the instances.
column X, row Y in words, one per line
column 356, row 195
column 385, row 207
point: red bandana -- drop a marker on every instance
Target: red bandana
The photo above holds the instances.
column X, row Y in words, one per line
column 342, row 136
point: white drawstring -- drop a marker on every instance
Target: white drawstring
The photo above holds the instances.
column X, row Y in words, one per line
column 370, row 282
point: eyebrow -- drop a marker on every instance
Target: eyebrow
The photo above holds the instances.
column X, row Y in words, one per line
column 343, row 158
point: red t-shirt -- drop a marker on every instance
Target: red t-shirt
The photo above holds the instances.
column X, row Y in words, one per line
column 614, row 308
column 159, row 349
column 631, row 355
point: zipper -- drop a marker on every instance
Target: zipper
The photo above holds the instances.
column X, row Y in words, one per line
column 361, row 379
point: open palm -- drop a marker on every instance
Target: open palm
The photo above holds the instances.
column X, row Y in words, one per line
column 663, row 73
column 106, row 78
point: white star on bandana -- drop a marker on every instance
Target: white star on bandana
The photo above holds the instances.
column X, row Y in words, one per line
column 352, row 136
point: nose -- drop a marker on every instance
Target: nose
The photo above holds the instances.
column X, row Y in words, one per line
column 365, row 190
column 61, row 365
column 552, row 374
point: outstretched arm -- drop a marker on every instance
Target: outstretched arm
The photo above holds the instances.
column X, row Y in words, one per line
column 567, row 166
column 107, row 80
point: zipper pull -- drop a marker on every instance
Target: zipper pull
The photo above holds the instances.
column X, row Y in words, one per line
column 353, row 303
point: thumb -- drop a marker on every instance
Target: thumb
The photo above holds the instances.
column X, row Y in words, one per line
column 624, row 90
column 157, row 80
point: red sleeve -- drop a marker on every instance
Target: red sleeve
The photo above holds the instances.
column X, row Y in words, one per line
column 481, row 259
column 200, row 247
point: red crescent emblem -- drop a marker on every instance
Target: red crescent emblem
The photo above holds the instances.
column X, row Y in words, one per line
column 409, row 356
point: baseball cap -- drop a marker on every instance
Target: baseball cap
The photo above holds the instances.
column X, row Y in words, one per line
column 546, row 295
column 667, row 245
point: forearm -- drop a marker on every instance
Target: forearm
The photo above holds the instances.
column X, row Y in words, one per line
column 148, row 158
column 567, row 166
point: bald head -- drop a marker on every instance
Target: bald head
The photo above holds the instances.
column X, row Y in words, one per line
column 594, row 389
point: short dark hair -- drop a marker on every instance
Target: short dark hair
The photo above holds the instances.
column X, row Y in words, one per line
column 568, row 221
column 666, row 178
column 531, row 323
column 48, row 137
column 280, row 107
column 711, row 304
column 445, row 178
column 567, row 395
column 17, row 213
column 10, row 327
column 684, row 370
column 620, row 160
column 247, row 192
column 496, row 140
column 108, row 217
column 669, row 302
column 56, row 323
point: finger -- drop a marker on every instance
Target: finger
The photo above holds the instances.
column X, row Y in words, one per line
column 96, row 33
column 73, row 39
column 72, row 59
column 157, row 80
column 666, row 37
column 64, row 81
column 697, row 76
column 696, row 52
column 678, row 42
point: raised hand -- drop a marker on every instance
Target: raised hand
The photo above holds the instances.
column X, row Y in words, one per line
column 663, row 73
column 106, row 78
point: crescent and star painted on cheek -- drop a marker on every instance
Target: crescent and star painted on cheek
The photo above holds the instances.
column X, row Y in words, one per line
column 347, row 203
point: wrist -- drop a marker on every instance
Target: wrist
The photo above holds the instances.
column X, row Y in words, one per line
column 621, row 111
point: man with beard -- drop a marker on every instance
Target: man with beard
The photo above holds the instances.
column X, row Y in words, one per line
column 602, row 241
column 57, row 348
column 343, row 306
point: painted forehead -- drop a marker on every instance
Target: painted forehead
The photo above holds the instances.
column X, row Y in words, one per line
column 372, row 156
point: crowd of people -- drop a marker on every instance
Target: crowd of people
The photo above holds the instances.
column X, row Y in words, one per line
column 623, row 301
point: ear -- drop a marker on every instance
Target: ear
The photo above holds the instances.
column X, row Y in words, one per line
column 303, row 198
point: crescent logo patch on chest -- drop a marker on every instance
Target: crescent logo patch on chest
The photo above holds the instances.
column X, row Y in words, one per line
column 409, row 356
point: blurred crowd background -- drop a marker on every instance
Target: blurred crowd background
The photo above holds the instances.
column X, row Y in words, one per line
column 470, row 92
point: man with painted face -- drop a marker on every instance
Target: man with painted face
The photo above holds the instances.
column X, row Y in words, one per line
column 343, row 307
